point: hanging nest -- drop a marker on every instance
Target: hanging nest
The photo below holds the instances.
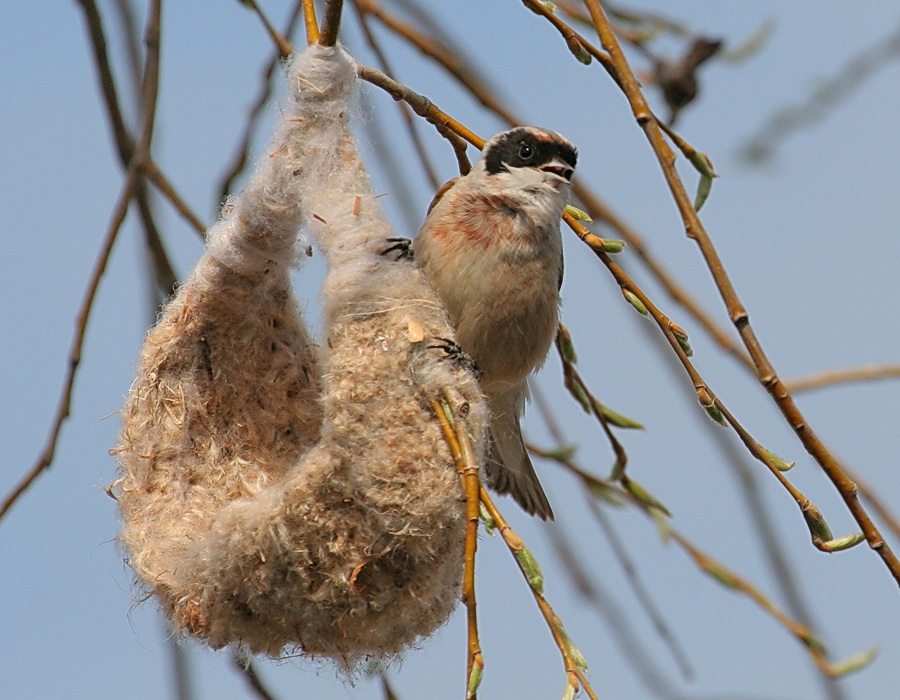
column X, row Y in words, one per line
column 273, row 494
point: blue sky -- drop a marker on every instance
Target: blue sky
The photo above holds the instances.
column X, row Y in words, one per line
column 810, row 240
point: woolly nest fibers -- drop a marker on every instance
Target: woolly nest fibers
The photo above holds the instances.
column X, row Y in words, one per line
column 273, row 495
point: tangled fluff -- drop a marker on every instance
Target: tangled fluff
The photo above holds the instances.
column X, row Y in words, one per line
column 272, row 493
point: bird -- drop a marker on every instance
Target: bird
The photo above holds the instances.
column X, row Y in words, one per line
column 491, row 248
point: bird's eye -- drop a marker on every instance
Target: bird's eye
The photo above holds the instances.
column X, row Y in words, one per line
column 525, row 151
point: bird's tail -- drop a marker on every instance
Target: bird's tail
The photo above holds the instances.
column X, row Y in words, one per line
column 509, row 469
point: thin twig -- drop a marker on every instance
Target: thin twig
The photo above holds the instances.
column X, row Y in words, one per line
column 475, row 662
column 436, row 26
column 707, row 397
column 573, row 39
column 646, row 665
column 877, row 503
column 445, row 56
column 181, row 671
column 309, row 18
column 387, row 688
column 447, row 126
column 600, row 211
column 823, row 99
column 576, row 385
column 730, row 579
column 637, row 585
column 266, row 89
column 150, row 90
column 284, row 46
column 819, row 380
column 244, row 665
column 125, row 146
column 164, row 273
column 161, row 269
column 408, row 121
column 331, row 22
column 780, row 563
column 131, row 34
column 150, row 169
column 150, row 85
column 612, row 537
column 461, row 449
column 45, row 459
column 574, row 673
column 121, row 136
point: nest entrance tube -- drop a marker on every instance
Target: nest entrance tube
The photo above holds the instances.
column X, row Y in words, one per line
column 272, row 493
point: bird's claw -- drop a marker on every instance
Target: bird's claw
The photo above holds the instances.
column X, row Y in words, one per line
column 402, row 246
column 454, row 353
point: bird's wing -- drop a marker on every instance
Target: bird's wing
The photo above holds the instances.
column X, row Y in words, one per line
column 562, row 267
column 441, row 192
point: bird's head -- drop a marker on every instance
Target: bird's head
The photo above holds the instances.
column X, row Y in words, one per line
column 529, row 158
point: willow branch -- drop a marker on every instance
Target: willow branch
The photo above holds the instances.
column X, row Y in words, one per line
column 309, row 19
column 738, row 314
column 152, row 172
column 625, row 563
column 125, row 147
column 45, row 459
column 446, row 125
column 284, row 46
column 824, row 98
column 461, row 449
column 408, row 121
column 578, row 388
column 714, row 568
column 150, row 91
column 641, row 593
column 244, row 665
column 709, row 400
column 819, row 380
column 386, row 688
column 331, row 22
column 573, row 39
column 451, row 61
column 600, row 211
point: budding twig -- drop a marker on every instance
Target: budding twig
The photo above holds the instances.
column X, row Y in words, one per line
column 816, row 649
column 572, row 661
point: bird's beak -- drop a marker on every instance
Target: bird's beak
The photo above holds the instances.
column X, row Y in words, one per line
column 560, row 169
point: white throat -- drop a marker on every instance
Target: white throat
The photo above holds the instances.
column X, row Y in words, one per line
column 538, row 195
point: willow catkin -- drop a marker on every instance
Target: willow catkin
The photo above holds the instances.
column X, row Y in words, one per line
column 274, row 498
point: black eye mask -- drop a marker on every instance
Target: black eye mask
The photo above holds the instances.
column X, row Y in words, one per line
column 521, row 148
